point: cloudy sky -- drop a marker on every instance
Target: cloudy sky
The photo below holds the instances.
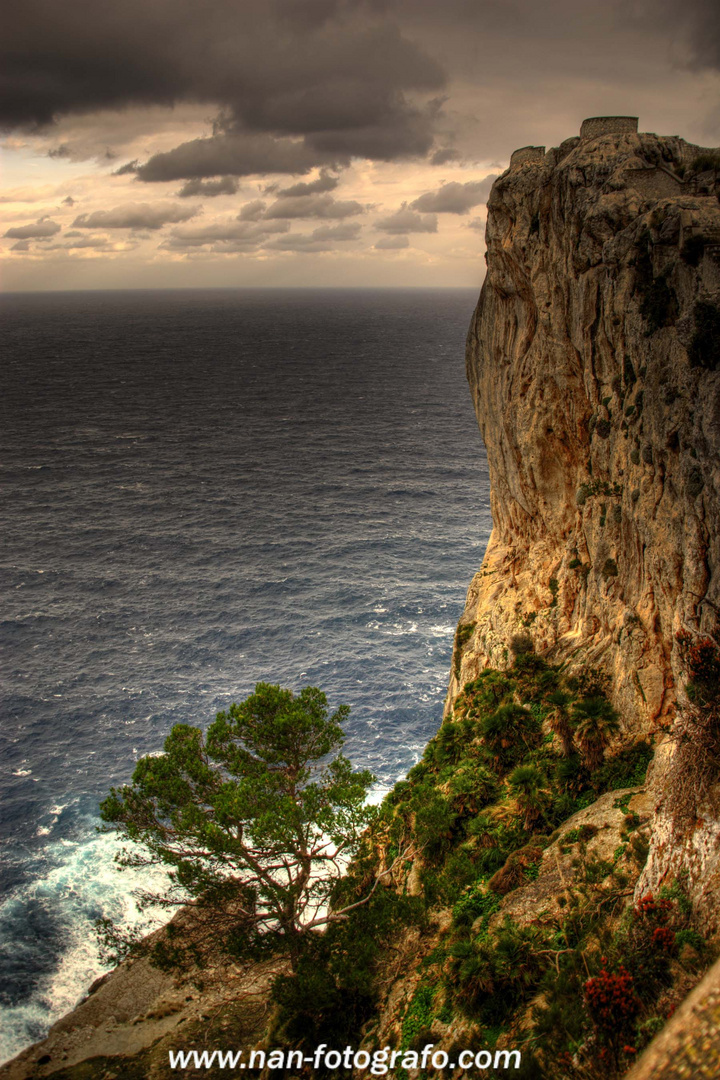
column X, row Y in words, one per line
column 178, row 143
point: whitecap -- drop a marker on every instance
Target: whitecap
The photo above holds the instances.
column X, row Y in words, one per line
column 86, row 884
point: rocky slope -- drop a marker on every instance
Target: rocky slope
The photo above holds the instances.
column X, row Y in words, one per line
column 594, row 363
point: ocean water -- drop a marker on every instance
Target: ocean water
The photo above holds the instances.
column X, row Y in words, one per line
column 202, row 490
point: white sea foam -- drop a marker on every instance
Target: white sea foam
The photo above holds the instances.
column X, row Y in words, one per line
column 84, row 886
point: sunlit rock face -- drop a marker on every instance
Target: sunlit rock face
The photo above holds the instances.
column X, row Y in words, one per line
column 594, row 363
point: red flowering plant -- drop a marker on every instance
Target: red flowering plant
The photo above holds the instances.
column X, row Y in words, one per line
column 655, row 910
column 648, row 942
column 651, row 917
column 612, row 1005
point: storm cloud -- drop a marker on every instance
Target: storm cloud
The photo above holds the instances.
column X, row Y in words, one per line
column 329, row 108
column 313, row 206
column 455, row 198
column 136, row 216
column 252, row 211
column 39, row 231
column 324, row 182
column 94, row 243
column 225, row 185
column 338, row 76
column 405, row 220
column 324, row 238
column 238, row 234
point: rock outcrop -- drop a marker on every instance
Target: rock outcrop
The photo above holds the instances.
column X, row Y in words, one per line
column 594, row 363
column 133, row 1016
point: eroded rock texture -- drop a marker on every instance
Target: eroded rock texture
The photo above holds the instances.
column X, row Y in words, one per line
column 594, row 363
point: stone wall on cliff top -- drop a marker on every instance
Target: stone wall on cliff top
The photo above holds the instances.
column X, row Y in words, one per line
column 596, row 384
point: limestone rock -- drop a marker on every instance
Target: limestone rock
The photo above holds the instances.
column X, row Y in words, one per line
column 594, row 364
column 689, row 1047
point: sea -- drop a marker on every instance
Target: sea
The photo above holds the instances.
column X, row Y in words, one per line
column 202, row 490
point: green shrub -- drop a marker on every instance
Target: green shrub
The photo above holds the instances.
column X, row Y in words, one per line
column 475, row 903
column 626, row 769
column 462, row 635
column 419, row 1016
column 472, row 787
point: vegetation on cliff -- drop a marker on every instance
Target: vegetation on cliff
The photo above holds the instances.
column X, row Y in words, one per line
column 256, row 821
column 581, row 983
column 489, row 905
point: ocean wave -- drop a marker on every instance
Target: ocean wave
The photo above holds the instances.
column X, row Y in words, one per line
column 66, row 900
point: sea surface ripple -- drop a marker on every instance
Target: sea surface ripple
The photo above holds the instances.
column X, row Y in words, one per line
column 202, row 490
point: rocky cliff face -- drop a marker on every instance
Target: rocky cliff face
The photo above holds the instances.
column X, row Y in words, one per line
column 594, row 363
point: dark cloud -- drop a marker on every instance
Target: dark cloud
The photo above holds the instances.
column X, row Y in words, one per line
column 337, row 232
column 95, row 243
column 308, row 205
column 136, row 216
column 478, row 224
column 336, row 75
column 69, row 201
column 704, row 16
column 324, row 182
column 222, row 235
column 127, row 169
column 324, row 238
column 38, row 231
column 225, row 185
column 252, row 211
column 392, row 243
column 455, row 198
column 697, row 21
column 405, row 220
column 21, row 245
column 444, row 156
column 313, row 206
column 403, row 133
column 235, row 154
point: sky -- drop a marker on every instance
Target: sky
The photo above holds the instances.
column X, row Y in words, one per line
column 234, row 143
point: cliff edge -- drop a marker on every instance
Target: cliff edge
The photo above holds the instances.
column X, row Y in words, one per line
column 594, row 363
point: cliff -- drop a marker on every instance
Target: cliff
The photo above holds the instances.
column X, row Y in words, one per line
column 600, row 415
column 593, row 361
column 558, row 900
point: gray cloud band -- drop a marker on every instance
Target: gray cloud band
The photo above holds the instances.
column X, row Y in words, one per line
column 297, row 85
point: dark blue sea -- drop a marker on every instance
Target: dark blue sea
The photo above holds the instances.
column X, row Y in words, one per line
column 202, row 490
